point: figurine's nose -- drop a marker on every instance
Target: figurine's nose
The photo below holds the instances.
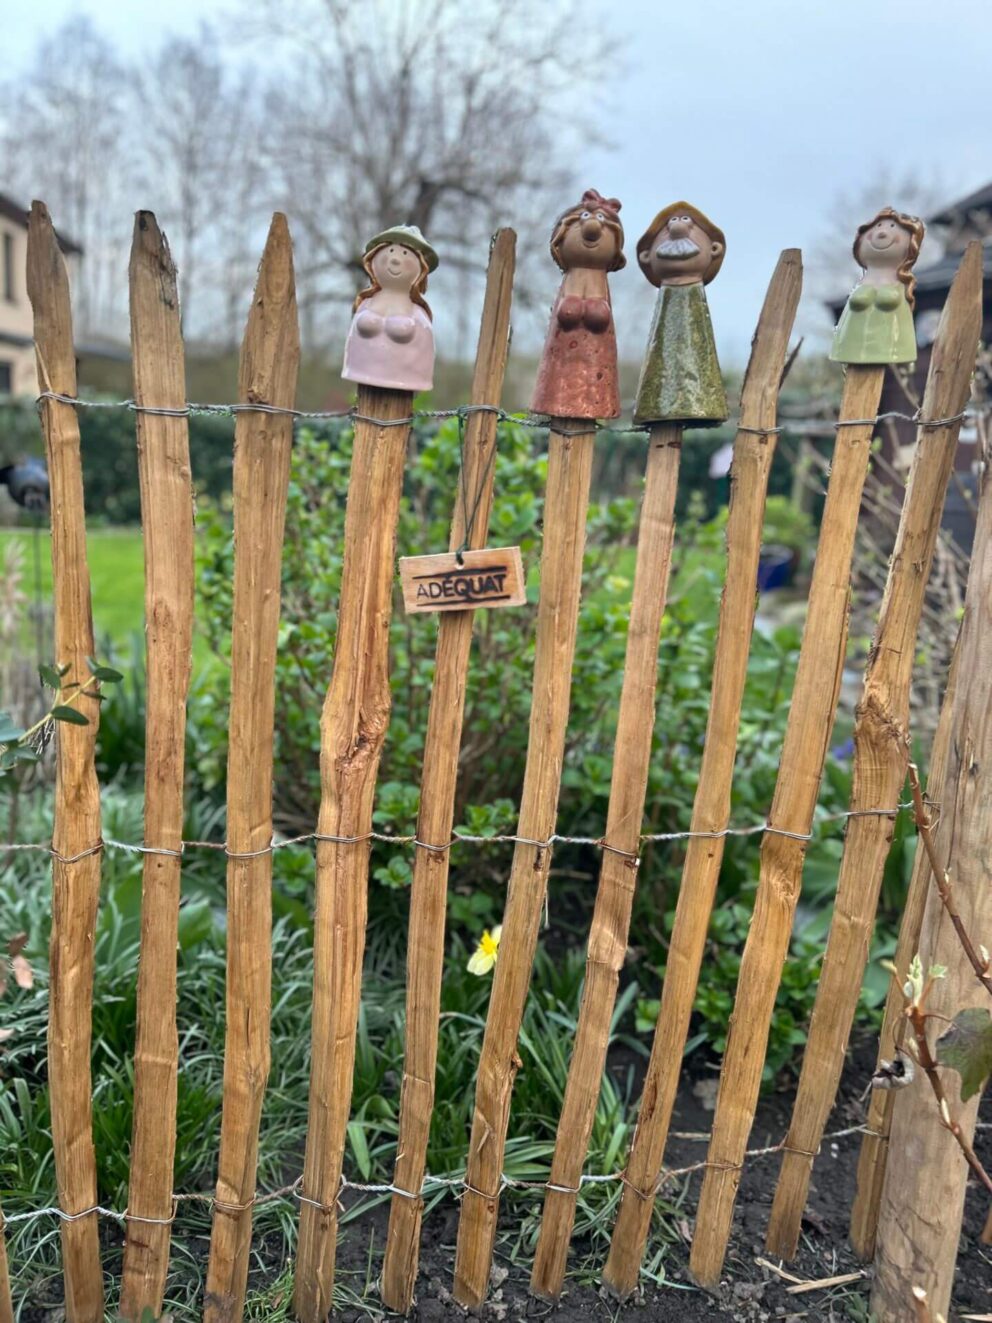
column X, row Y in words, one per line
column 591, row 229
column 678, row 229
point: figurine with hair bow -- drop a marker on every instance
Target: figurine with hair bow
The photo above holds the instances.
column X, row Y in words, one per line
column 577, row 377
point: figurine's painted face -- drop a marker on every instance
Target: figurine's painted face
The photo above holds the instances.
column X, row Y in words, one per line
column 680, row 253
column 589, row 242
column 396, row 267
column 885, row 246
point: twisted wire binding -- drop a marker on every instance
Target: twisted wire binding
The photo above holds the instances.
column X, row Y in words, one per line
column 462, row 411
column 458, row 838
column 431, row 1184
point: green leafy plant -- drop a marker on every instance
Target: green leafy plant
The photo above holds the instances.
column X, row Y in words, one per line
column 18, row 745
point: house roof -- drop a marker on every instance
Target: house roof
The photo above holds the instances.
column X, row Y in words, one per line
column 13, row 211
column 981, row 199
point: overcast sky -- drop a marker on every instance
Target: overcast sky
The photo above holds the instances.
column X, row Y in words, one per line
column 761, row 112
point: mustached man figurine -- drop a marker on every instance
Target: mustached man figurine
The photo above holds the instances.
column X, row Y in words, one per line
column 391, row 341
column 577, row 377
column 877, row 327
column 680, row 252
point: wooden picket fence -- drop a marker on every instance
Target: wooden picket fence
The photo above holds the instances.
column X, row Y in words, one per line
column 353, row 728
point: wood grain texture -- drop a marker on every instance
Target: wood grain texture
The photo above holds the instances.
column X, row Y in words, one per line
column 6, row 1303
column 807, row 735
column 878, row 1122
column 881, row 749
column 166, row 485
column 565, row 509
column 618, row 871
column 353, row 728
column 753, row 453
column 270, row 359
column 76, row 885
column 428, row 896
column 919, row 1222
column 463, row 580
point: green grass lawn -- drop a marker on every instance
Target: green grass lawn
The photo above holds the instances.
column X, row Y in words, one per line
column 117, row 583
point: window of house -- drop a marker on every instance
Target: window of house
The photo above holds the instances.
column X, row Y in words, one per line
column 6, row 377
column 8, row 267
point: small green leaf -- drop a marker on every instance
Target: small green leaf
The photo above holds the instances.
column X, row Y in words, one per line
column 360, row 1148
column 69, row 714
column 25, row 754
column 107, row 674
column 9, row 733
column 63, row 670
column 50, row 676
column 967, row 1048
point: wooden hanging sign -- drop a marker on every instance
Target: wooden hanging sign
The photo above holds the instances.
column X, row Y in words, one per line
column 455, row 581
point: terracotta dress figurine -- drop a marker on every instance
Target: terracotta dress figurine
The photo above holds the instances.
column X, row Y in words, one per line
column 577, row 377
column 680, row 252
column 391, row 341
column 876, row 326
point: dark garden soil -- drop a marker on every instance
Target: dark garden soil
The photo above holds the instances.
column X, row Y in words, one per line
column 749, row 1291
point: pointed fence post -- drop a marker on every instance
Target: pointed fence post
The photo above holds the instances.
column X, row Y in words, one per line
column 270, row 359
column 919, row 1222
column 76, row 832
column 6, row 1303
column 881, row 747
column 783, row 848
column 167, row 524
column 754, row 448
column 429, row 890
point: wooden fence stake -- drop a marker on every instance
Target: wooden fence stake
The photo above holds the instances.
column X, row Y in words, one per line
column 881, row 749
column 923, row 1194
column 270, row 358
column 167, row 523
column 783, row 847
column 429, row 891
column 621, row 857
column 878, row 1122
column 353, row 729
column 754, row 448
column 6, row 1303
column 76, row 831
column 569, row 473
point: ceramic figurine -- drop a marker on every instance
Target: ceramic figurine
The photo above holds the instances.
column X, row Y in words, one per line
column 390, row 341
column 876, row 326
column 680, row 252
column 577, row 377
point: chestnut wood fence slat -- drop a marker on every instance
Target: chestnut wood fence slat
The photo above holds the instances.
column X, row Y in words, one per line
column 270, row 357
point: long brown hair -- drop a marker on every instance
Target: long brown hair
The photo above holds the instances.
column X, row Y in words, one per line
column 417, row 290
column 916, row 229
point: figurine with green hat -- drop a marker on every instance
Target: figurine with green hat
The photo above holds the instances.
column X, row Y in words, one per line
column 391, row 341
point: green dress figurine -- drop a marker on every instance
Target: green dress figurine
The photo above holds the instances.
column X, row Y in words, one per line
column 876, row 326
column 680, row 252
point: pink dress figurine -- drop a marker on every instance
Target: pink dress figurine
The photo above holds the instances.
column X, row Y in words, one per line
column 578, row 373
column 390, row 341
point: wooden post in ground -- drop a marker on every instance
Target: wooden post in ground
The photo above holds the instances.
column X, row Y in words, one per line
column 922, row 1202
column 569, row 476
column 754, row 448
column 6, row 1303
column 611, row 918
column 353, row 729
column 167, row 525
column 878, row 1122
column 881, row 748
column 76, row 830
column 429, row 891
column 270, row 358
column 783, row 847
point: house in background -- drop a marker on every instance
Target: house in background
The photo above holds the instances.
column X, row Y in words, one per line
column 18, row 375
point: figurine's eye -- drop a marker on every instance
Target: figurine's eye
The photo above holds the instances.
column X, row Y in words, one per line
column 600, row 216
column 585, row 215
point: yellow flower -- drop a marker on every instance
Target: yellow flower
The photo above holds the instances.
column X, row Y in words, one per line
column 486, row 952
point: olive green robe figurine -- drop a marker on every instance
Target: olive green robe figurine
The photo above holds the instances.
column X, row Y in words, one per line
column 680, row 252
column 876, row 326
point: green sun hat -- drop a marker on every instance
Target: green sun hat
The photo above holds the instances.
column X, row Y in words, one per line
column 410, row 237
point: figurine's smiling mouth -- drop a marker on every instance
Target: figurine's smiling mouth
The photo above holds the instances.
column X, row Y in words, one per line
column 880, row 244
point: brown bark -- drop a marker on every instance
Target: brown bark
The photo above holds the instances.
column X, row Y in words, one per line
column 753, row 452
column 923, row 1193
column 811, row 716
column 75, row 885
column 270, row 357
column 428, row 897
column 565, row 507
column 353, row 729
column 881, row 750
